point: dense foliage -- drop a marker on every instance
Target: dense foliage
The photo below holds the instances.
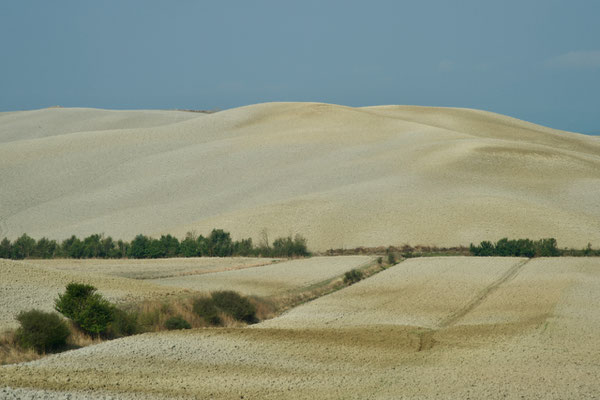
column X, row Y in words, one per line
column 217, row 244
column 517, row 248
column 86, row 308
column 225, row 302
column 236, row 305
column 41, row 331
column 207, row 309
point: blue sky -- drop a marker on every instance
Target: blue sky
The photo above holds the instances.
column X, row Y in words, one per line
column 535, row 60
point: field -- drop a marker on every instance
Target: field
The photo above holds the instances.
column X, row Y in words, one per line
column 341, row 176
column 153, row 268
column 451, row 327
column 36, row 283
column 270, row 280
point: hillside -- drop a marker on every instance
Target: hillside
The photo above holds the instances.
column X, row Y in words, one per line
column 340, row 176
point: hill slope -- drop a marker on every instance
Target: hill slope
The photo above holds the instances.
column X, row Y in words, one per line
column 340, row 176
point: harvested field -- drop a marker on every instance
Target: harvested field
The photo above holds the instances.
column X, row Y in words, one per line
column 270, row 280
column 519, row 330
column 419, row 292
column 153, row 268
column 36, row 283
column 24, row 286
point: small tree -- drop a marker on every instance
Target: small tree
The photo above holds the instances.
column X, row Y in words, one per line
column 5, row 248
column 189, row 246
column 86, row 308
column 139, row 247
column 220, row 244
column 23, row 247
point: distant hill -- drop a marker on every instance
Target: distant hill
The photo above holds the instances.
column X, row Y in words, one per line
column 341, row 176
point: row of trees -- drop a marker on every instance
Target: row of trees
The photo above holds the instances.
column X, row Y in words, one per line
column 517, row 248
column 217, row 244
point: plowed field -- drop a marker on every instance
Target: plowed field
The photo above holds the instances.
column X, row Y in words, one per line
column 517, row 329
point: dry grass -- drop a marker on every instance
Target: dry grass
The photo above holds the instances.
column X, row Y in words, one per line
column 12, row 353
column 276, row 305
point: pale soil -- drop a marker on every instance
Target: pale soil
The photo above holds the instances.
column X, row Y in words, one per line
column 24, row 286
column 340, row 176
column 270, row 280
column 418, row 292
column 153, row 268
column 37, row 283
column 544, row 345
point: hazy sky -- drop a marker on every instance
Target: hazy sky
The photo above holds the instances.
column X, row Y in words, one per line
column 535, row 60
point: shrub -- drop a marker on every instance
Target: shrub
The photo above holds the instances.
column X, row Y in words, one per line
column 124, row 323
column 86, row 308
column 234, row 304
column 352, row 276
column 41, row 331
column 379, row 260
column 391, row 259
column 207, row 309
column 177, row 322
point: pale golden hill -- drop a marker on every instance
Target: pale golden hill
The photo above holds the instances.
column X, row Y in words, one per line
column 341, row 176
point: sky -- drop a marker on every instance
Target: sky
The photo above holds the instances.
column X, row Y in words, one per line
column 534, row 60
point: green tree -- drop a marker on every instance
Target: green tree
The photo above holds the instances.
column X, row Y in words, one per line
column 170, row 245
column 23, row 247
column 189, row 246
column 139, row 247
column 220, row 244
column 45, row 248
column 243, row 248
column 72, row 247
column 86, row 308
column 5, row 248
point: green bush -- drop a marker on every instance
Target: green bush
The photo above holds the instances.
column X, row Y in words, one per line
column 177, row 322
column 124, row 323
column 352, row 276
column 86, row 308
column 41, row 331
column 207, row 309
column 234, row 304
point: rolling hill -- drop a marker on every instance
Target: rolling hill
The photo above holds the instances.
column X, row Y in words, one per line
column 340, row 176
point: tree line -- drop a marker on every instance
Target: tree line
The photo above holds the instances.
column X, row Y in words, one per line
column 217, row 244
column 517, row 248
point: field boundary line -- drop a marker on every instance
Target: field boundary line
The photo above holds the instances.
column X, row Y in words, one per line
column 482, row 295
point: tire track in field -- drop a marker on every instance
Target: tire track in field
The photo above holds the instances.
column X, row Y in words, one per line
column 482, row 295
